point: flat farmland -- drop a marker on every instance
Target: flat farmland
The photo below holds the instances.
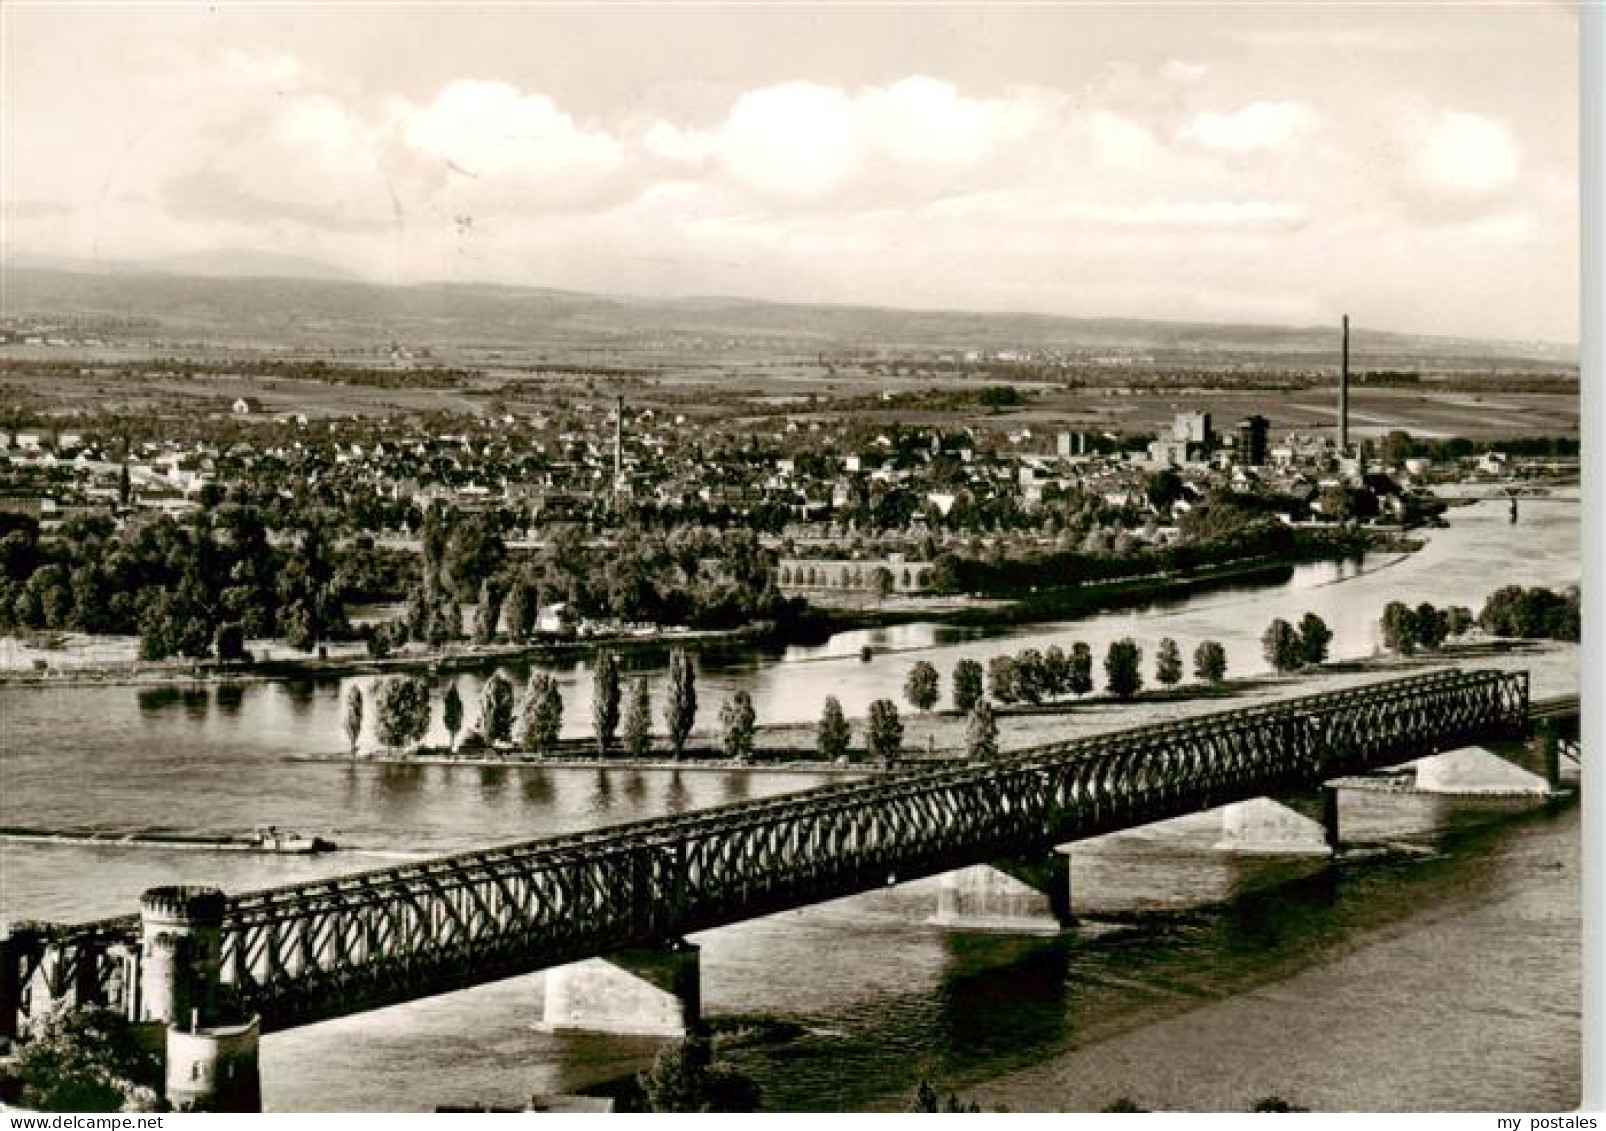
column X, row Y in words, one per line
column 1427, row 413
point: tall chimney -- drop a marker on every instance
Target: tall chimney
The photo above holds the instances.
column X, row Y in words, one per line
column 1343, row 393
column 618, row 443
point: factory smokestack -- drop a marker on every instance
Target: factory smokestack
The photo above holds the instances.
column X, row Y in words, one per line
column 618, row 444
column 1343, row 393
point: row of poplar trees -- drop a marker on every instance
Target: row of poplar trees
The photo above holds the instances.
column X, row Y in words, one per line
column 401, row 711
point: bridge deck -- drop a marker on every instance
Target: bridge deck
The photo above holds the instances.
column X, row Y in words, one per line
column 310, row 951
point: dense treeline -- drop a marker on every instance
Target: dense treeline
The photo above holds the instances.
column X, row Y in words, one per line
column 1525, row 614
column 1399, row 445
column 194, row 587
column 690, row 576
column 1534, row 614
column 371, row 376
column 1211, row 535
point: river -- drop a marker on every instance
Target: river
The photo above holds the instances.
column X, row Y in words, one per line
column 900, row 998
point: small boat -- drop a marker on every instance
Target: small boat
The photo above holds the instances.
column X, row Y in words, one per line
column 270, row 838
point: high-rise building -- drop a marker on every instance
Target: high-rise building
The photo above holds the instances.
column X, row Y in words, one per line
column 1192, row 428
column 1252, row 432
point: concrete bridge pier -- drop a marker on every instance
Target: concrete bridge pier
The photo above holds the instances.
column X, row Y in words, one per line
column 1475, row 771
column 652, row 991
column 1304, row 824
column 211, row 1059
column 1015, row 895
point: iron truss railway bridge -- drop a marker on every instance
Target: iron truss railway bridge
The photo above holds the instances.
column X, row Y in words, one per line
column 311, row 951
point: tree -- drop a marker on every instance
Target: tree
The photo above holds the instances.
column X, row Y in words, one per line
column 684, row 1077
column 1030, row 682
column 300, row 626
column 401, row 711
column 638, row 719
column 1001, row 679
column 1056, row 671
column 1168, row 663
column 452, row 714
column 496, row 710
column 981, row 732
column 1458, row 620
column 352, row 723
column 1210, row 662
column 1399, row 628
column 1081, row 679
column 884, row 734
column 1314, row 637
column 1432, row 626
column 1123, row 668
column 928, row 1101
column 680, row 711
column 540, row 714
column 1337, row 503
column 1276, row 1104
column 922, row 686
column 833, row 735
column 87, row 1060
column 1163, row 488
column 885, row 583
column 737, row 724
column 1123, row 1105
column 1281, row 646
column 488, row 613
column 229, row 642
column 605, row 701
column 521, row 612
column 473, row 551
column 1533, row 614
column 967, row 685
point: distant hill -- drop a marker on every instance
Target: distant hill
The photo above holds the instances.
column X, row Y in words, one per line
column 208, row 298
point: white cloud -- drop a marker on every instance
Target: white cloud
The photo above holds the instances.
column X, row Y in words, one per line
column 1466, row 155
column 493, row 130
column 1121, row 142
column 803, row 141
column 791, row 140
column 1259, row 125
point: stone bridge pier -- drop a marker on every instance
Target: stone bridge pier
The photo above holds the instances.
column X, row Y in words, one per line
column 1305, row 823
column 1018, row 894
column 211, row 1058
column 649, row 991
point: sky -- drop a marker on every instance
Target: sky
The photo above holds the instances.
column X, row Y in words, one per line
column 1414, row 166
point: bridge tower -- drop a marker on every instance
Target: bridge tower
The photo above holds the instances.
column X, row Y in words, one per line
column 211, row 1058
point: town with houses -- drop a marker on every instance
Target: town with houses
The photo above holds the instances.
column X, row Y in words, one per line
column 804, row 477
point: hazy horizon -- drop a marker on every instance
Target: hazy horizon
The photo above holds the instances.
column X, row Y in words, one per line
column 1413, row 167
